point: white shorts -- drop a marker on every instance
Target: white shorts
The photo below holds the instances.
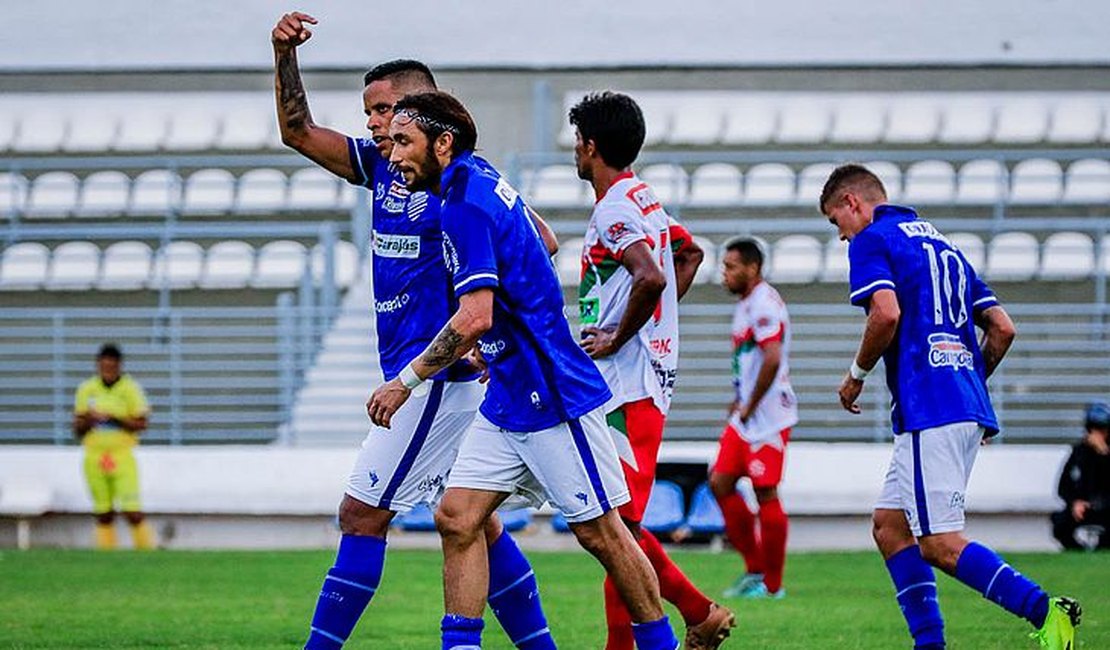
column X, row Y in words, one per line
column 573, row 466
column 408, row 464
column 928, row 476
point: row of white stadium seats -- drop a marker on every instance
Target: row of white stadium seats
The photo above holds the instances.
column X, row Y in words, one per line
column 146, row 122
column 693, row 118
column 131, row 265
column 1035, row 181
column 1010, row 256
column 207, row 191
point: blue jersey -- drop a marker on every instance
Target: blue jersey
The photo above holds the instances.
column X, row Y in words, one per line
column 412, row 291
column 934, row 367
column 539, row 376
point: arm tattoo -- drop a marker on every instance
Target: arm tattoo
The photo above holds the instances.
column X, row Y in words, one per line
column 291, row 93
column 445, row 349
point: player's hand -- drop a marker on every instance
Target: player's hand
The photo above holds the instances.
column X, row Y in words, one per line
column 745, row 413
column 475, row 359
column 597, row 343
column 385, row 401
column 1079, row 509
column 291, row 31
column 849, row 392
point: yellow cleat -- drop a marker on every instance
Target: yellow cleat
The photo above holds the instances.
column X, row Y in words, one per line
column 1058, row 631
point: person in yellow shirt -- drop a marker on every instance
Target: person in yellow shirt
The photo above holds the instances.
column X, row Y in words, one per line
column 109, row 412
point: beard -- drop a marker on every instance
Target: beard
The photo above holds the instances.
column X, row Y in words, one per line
column 427, row 171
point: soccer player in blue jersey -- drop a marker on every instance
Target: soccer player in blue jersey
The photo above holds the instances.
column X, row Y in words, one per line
column 399, row 468
column 540, row 433
column 923, row 302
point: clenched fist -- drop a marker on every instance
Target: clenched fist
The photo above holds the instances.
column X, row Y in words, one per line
column 291, row 31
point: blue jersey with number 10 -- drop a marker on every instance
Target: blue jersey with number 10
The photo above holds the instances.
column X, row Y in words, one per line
column 539, row 376
column 934, row 367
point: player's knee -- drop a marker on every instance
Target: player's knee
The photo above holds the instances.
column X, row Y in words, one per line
column 105, row 517
column 721, row 485
column 134, row 518
column 766, row 494
column 456, row 525
column 601, row 536
column 888, row 534
column 358, row 518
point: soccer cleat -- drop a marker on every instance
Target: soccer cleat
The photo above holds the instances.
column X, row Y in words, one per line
column 748, row 585
column 710, row 633
column 1058, row 631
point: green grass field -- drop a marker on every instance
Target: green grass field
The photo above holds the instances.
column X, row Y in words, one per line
column 82, row 599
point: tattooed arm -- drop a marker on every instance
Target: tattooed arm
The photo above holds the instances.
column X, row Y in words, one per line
column 458, row 336
column 998, row 335
column 321, row 145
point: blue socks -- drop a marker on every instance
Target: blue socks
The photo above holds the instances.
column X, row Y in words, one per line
column 514, row 596
column 348, row 588
column 982, row 570
column 655, row 635
column 461, row 633
column 916, row 587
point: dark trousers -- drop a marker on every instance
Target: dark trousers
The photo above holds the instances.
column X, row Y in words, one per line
column 1064, row 527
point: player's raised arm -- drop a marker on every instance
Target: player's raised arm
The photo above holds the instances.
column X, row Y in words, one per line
column 998, row 335
column 882, row 324
column 321, row 145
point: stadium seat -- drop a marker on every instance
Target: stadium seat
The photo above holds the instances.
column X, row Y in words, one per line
column 1036, row 181
column 968, row 120
column 24, row 266
column 981, row 182
column 891, row 176
column 705, row 516
column 836, row 267
column 559, row 523
column 669, row 182
column 858, row 121
column 125, row 265
column 709, row 271
column 40, row 131
column 1021, row 122
column 228, row 265
column 1012, row 256
column 557, row 186
column 796, row 258
column 912, row 121
column 312, row 188
column 1075, row 121
column 209, row 191
column 749, row 123
column 972, row 247
column 568, row 261
column 192, row 128
column 280, row 264
column 929, row 182
column 666, row 508
column 155, row 192
column 419, row 519
column 74, row 265
column 142, row 129
column 517, row 519
column 92, row 131
column 178, row 265
column 803, row 122
column 53, row 194
column 261, row 190
column 1067, row 255
column 769, row 184
column 248, row 128
column 346, row 263
column 698, row 121
column 13, row 194
column 715, row 184
column 811, row 181
column 1088, row 181
column 104, row 194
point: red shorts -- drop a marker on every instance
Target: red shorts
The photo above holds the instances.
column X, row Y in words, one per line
column 642, row 423
column 763, row 465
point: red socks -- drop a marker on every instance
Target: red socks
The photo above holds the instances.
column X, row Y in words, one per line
column 772, row 527
column 741, row 532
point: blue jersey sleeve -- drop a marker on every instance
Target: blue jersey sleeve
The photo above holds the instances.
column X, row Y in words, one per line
column 364, row 155
column 468, row 244
column 982, row 298
column 870, row 267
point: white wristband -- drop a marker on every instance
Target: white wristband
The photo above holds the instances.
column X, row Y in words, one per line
column 409, row 378
column 857, row 373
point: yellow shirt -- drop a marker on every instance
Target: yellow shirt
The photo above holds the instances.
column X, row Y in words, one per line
column 123, row 399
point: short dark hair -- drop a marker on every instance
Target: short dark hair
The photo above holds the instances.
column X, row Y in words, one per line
column 748, row 248
column 437, row 112
column 400, row 68
column 110, row 351
column 851, row 176
column 614, row 122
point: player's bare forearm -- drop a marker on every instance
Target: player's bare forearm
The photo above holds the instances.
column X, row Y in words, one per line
column 648, row 283
column 81, row 424
column 999, row 333
column 550, row 241
column 768, row 370
column 686, row 263
column 473, row 318
column 882, row 325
